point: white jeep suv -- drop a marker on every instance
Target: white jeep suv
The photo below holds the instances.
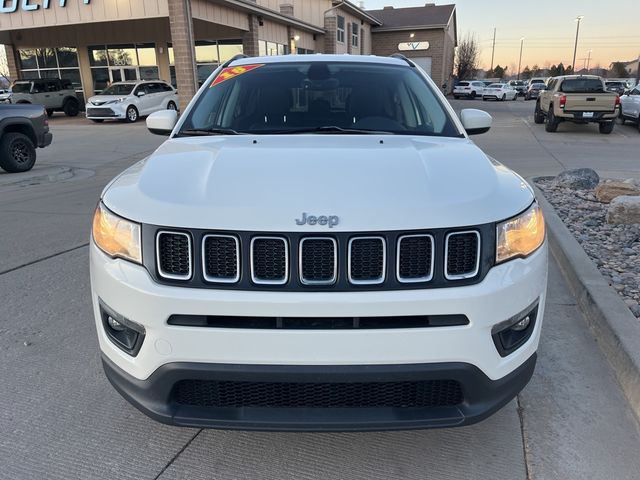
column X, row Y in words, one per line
column 131, row 100
column 318, row 245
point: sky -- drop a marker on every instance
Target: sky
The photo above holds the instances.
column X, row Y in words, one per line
column 610, row 29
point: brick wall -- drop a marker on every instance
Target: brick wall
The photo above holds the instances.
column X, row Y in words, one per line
column 386, row 43
column 184, row 49
column 331, row 26
column 250, row 38
column 14, row 73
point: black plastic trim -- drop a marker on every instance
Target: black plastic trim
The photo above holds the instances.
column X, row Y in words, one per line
column 482, row 395
column 487, row 259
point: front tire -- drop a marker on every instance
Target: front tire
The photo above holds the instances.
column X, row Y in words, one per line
column 132, row 114
column 538, row 116
column 17, row 153
column 504, row 97
column 552, row 122
column 71, row 108
column 49, row 112
column 456, row 97
column 473, row 95
column 172, row 105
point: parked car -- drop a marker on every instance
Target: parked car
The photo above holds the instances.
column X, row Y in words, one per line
column 616, row 86
column 533, row 90
column 5, row 95
column 23, row 128
column 630, row 106
column 131, row 100
column 499, row 91
column 519, row 86
column 577, row 99
column 470, row 89
column 542, row 80
column 223, row 301
column 54, row 94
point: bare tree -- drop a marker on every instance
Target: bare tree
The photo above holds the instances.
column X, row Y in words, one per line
column 467, row 56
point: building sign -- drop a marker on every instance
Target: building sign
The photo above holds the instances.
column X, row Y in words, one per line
column 413, row 46
column 10, row 6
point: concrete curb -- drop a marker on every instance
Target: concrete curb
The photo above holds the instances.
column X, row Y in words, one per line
column 610, row 321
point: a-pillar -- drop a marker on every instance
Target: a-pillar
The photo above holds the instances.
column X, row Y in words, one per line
column 181, row 25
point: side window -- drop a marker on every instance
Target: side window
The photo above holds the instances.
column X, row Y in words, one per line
column 53, row 86
column 141, row 88
column 39, row 87
column 340, row 29
column 154, row 88
column 166, row 87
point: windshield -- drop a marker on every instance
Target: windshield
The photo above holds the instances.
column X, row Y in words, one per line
column 537, row 80
column 582, row 85
column 119, row 89
column 517, row 83
column 615, row 84
column 24, row 87
column 538, row 86
column 299, row 97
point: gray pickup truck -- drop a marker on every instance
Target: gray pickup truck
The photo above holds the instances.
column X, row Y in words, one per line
column 23, row 128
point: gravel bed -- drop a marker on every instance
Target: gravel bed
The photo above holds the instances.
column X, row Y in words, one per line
column 615, row 249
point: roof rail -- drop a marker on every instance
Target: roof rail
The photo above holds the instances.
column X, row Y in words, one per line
column 402, row 57
column 233, row 59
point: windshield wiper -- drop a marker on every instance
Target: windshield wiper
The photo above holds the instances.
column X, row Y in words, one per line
column 331, row 129
column 193, row 132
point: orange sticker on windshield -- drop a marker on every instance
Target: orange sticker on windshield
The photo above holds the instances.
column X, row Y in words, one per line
column 232, row 72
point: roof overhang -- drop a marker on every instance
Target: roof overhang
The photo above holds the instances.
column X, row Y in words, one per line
column 267, row 13
column 356, row 11
column 408, row 28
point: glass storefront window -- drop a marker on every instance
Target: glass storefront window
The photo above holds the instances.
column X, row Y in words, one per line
column 49, row 73
column 72, row 74
column 67, row 57
column 29, row 74
column 46, row 58
column 204, row 71
column 28, row 58
column 272, row 48
column 100, row 78
column 262, row 48
column 229, row 50
column 122, row 55
column 98, row 56
column 207, row 53
column 147, row 55
column 149, row 73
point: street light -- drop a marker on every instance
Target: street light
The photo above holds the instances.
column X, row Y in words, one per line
column 575, row 48
column 520, row 61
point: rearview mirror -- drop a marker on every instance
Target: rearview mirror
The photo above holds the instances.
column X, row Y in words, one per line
column 475, row 121
column 162, row 122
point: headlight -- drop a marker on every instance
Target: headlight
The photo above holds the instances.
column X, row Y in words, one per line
column 116, row 236
column 520, row 236
column 118, row 100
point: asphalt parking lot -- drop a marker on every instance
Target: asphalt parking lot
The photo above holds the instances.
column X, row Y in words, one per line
column 61, row 419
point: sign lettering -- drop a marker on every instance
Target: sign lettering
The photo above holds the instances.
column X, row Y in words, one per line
column 11, row 6
column 413, row 46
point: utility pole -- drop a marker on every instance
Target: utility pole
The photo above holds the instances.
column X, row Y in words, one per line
column 638, row 71
column 493, row 49
column 520, row 61
column 588, row 61
column 575, row 48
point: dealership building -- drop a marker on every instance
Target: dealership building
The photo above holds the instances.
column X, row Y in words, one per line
column 96, row 42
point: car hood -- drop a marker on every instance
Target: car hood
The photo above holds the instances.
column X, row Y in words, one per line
column 264, row 183
column 102, row 99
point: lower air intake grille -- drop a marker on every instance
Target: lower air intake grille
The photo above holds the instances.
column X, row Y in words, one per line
column 366, row 260
column 462, row 252
column 269, row 260
column 220, row 257
column 174, row 255
column 226, row 394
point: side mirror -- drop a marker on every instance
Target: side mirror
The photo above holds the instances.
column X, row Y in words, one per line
column 475, row 121
column 162, row 122
column 626, row 92
column 141, row 93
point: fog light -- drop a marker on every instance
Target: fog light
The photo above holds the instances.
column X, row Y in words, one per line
column 116, row 325
column 511, row 334
column 124, row 333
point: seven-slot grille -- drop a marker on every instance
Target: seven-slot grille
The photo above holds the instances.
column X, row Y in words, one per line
column 462, row 253
column 415, row 258
column 221, row 258
column 318, row 261
column 269, row 260
column 367, row 260
column 322, row 261
column 174, row 255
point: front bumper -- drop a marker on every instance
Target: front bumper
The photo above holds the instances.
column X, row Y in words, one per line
column 105, row 112
column 156, row 396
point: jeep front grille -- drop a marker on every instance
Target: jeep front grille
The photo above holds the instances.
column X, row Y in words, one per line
column 174, row 255
column 339, row 261
column 462, row 252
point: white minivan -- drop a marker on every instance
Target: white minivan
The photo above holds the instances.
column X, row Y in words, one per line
column 131, row 100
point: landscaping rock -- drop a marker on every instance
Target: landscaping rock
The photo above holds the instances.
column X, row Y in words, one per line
column 624, row 210
column 582, row 178
column 605, row 192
